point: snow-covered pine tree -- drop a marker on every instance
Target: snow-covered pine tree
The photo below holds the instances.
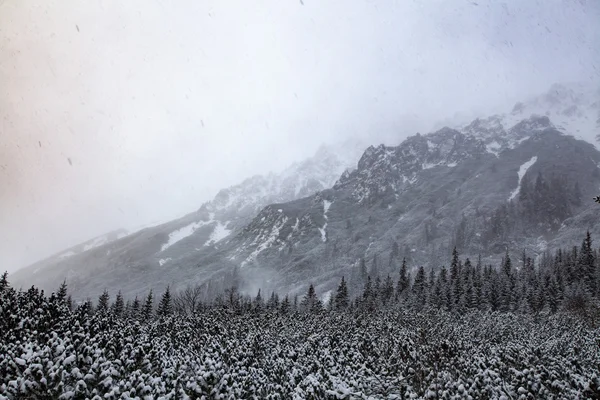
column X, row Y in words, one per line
column 165, row 306
column 587, row 264
column 258, row 302
column 103, row 302
column 118, row 307
column 419, row 289
column 148, row 307
column 3, row 281
column 341, row 300
column 285, row 306
column 403, row 282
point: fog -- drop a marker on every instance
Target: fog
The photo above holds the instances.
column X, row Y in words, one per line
column 115, row 114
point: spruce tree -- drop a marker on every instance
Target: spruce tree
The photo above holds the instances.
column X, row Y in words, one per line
column 310, row 302
column 148, row 307
column 454, row 267
column 446, row 289
column 119, row 305
column 341, row 296
column 4, row 281
column 507, row 265
column 403, row 282
column 419, row 288
column 103, row 302
column 69, row 302
column 477, row 283
column 273, row 302
column 285, row 305
column 135, row 308
column 62, row 291
column 258, row 302
column 165, row 307
column 587, row 264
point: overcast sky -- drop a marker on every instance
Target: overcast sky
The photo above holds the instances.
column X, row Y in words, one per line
column 159, row 104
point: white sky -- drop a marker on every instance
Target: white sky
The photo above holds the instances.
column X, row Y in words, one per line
column 160, row 104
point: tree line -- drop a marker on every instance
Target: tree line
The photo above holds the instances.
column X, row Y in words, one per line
column 568, row 280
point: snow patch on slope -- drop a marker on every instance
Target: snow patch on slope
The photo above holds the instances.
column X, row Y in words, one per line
column 326, row 205
column 219, row 233
column 522, row 171
column 184, row 232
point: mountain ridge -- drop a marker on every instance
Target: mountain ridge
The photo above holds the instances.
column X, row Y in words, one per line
column 417, row 200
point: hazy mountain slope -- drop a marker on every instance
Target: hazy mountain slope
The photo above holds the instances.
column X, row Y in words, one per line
column 202, row 231
column 78, row 249
column 416, row 200
column 470, row 187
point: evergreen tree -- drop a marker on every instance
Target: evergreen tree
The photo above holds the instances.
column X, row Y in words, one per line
column 165, row 307
column 436, row 298
column 477, row 283
column 341, row 296
column 4, row 281
column 273, row 302
column 310, row 302
column 551, row 291
column 368, row 296
column 403, row 282
column 454, row 267
column 62, row 291
column 69, row 302
column 446, row 289
column 587, row 264
column 469, row 300
column 493, row 292
column 431, row 281
column 419, row 288
column 103, row 301
column 119, row 305
column 258, row 302
column 148, row 307
column 285, row 305
column 507, row 265
column 135, row 308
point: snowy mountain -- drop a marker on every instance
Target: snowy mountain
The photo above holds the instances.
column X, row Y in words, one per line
column 512, row 181
column 573, row 108
column 199, row 232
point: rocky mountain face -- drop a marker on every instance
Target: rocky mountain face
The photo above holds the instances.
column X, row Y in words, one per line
column 573, row 108
column 91, row 266
column 481, row 190
column 520, row 181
